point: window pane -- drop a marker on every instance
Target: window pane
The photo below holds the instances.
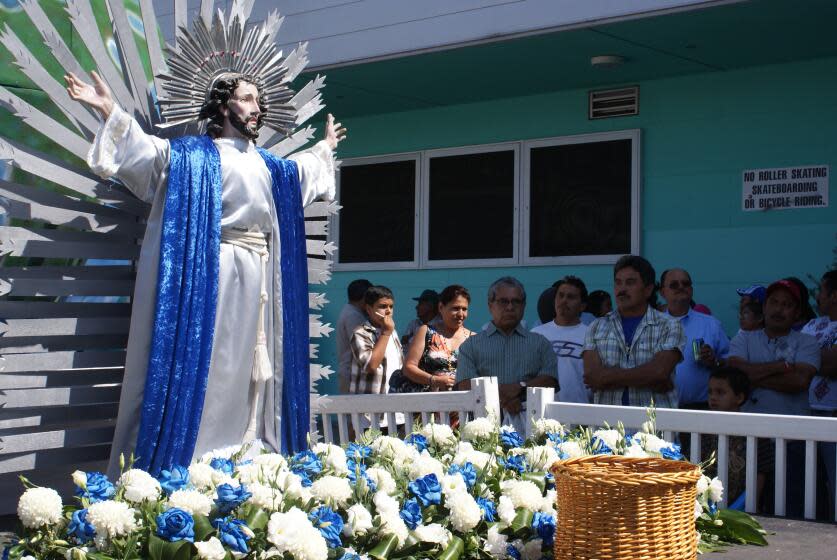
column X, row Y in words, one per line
column 377, row 221
column 580, row 199
column 472, row 206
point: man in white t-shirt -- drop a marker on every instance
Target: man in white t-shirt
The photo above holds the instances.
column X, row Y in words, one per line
column 566, row 334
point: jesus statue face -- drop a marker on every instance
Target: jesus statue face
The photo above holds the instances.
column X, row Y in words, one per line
column 241, row 115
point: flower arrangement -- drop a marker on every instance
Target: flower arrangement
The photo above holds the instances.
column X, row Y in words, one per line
column 481, row 493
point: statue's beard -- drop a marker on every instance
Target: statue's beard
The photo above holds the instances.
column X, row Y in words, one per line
column 247, row 130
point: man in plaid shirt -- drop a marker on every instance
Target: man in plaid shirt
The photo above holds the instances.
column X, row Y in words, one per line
column 630, row 353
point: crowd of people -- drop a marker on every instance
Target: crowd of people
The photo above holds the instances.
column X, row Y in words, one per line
column 655, row 345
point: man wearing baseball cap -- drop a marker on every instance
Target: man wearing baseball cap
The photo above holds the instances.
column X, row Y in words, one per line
column 780, row 364
column 427, row 309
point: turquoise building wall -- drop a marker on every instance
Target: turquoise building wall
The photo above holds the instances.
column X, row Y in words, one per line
column 699, row 132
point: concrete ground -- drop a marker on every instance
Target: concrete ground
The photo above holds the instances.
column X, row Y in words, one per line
column 793, row 540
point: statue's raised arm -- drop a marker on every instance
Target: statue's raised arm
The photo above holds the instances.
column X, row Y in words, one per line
column 96, row 96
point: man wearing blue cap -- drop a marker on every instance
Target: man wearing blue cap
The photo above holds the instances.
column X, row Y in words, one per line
column 427, row 309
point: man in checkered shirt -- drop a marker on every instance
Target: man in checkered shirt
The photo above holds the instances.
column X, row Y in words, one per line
column 630, row 353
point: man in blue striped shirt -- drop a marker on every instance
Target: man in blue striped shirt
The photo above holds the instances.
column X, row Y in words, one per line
column 517, row 357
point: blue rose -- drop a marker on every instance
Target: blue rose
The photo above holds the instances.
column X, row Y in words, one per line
column 512, row 552
column 358, row 452
column 489, row 510
column 230, row 497
column 544, row 525
column 355, row 468
column 176, row 525
column 231, row 533
column 411, row 513
column 223, row 465
column 418, row 441
column 510, row 438
column 549, row 480
column 329, row 523
column 175, row 478
column 672, row 452
column 600, row 447
column 98, row 488
column 427, row 489
column 80, row 528
column 555, row 437
column 468, row 472
column 514, row 463
column 350, row 556
column 306, row 464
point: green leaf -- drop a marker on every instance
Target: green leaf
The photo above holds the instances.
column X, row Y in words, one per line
column 155, row 547
column 384, row 548
column 159, row 549
column 203, row 527
column 537, row 478
column 522, row 521
column 257, row 519
column 454, row 550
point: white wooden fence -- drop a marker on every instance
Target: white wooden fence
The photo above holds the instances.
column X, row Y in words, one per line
column 811, row 430
column 482, row 399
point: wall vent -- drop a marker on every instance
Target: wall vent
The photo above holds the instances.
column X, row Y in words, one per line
column 614, row 103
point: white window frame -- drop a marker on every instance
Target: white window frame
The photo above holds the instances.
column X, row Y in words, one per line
column 424, row 211
column 334, row 219
column 632, row 134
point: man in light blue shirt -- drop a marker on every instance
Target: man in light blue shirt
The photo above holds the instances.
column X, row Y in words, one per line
column 706, row 342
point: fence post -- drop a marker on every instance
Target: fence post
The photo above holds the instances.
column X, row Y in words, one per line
column 536, row 401
column 486, row 392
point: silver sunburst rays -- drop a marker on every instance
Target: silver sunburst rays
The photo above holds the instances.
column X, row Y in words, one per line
column 206, row 52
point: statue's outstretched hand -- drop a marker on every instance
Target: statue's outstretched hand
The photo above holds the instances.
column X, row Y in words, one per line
column 96, row 96
column 334, row 132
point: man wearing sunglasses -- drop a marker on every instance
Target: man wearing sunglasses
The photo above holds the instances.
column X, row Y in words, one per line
column 706, row 342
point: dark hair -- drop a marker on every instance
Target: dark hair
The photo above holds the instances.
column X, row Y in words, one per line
column 452, row 292
column 829, row 279
column 737, row 379
column 665, row 273
column 220, row 94
column 546, row 305
column 806, row 312
column 641, row 265
column 596, row 300
column 755, row 306
column 572, row 281
column 357, row 288
column 374, row 293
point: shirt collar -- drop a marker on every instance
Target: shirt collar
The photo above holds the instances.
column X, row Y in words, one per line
column 491, row 329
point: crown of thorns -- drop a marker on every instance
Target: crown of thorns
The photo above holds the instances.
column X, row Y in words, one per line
column 205, row 55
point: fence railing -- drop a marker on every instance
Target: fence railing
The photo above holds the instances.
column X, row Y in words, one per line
column 358, row 411
column 780, row 428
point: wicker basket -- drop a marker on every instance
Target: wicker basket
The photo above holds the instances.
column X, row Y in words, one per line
column 613, row 507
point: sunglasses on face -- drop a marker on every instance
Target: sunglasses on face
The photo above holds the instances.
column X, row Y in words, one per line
column 676, row 284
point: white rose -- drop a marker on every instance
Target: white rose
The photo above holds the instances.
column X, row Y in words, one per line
column 38, row 507
column 332, row 456
column 139, row 486
column 698, row 509
column 273, row 460
column 505, row 510
column 433, row 533
column 703, row 485
column 548, row 502
column 392, row 524
column 609, row 437
column 333, row 491
column 522, row 493
column 716, row 490
column 635, row 451
column 545, row 426
column 651, row 443
column 384, row 503
column 540, row 457
column 200, row 475
column 571, row 449
column 112, row 519
column 358, row 521
column 496, row 543
column 264, row 496
column 382, row 478
column 388, row 447
column 478, row 428
column 211, row 549
column 424, row 464
column 80, row 479
column 191, row 501
column 532, row 550
column 465, row 513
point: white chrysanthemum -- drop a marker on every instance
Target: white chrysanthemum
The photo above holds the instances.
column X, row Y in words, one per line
column 38, row 507
column 382, row 478
column 496, row 543
column 540, row 457
column 522, row 493
column 358, row 521
column 465, row 513
column 293, row 533
column 505, row 510
column 453, row 484
column 191, row 501
column 392, row 524
column 273, row 460
column 139, row 486
column 532, row 550
column 384, row 503
column 332, row 456
column 548, row 502
column 716, row 490
column 465, row 453
column 388, row 447
column 425, row 464
column 635, row 451
column 112, row 519
column 200, row 475
column 478, row 428
column 251, row 473
column 221, row 453
column 265, row 496
column 571, row 449
column 333, row 491
column 211, row 549
column 609, row 437
column 703, row 485
column 698, row 509
column 440, row 434
column 220, row 477
column 432, row 533
column 545, row 426
column 651, row 443
column 290, row 485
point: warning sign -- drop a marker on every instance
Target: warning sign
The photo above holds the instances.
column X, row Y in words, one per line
column 785, row 187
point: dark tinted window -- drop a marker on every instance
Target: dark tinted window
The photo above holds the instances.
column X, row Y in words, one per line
column 377, row 219
column 580, row 199
column 471, row 207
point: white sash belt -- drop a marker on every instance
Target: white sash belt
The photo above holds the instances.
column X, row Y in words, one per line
column 255, row 242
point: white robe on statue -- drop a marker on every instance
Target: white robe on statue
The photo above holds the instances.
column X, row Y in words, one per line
column 140, row 161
